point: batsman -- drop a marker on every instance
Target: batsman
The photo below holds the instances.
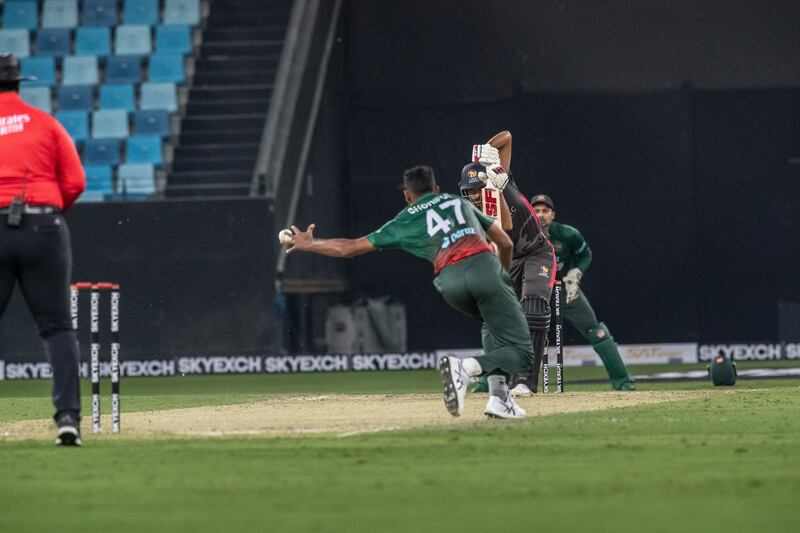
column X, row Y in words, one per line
column 573, row 256
column 533, row 266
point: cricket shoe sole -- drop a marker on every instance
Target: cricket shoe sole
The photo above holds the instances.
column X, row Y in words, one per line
column 454, row 381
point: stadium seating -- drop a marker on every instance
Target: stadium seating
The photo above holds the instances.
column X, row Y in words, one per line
column 124, row 69
column 21, row 14
column 173, row 39
column 133, row 40
column 110, row 124
column 60, row 14
column 99, row 183
column 117, row 96
column 140, row 12
column 137, row 178
column 80, row 70
column 158, row 96
column 91, row 59
column 151, row 122
column 144, row 149
column 99, row 178
column 75, row 98
column 166, row 68
column 101, row 152
column 76, row 123
column 15, row 41
column 53, row 42
column 37, row 96
column 99, row 12
column 182, row 12
column 93, row 41
column 42, row 68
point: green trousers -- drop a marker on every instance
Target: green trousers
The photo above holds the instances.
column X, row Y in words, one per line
column 481, row 288
column 580, row 314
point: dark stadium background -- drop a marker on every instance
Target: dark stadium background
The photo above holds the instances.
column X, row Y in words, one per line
column 668, row 132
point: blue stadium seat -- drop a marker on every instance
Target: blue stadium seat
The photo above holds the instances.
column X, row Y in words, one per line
column 124, row 69
column 99, row 178
column 91, row 196
column 100, row 12
column 60, row 14
column 182, row 12
column 101, row 152
column 143, row 149
column 158, row 96
column 140, row 12
column 80, row 70
column 173, row 39
column 110, row 124
column 37, row 97
column 75, row 98
column 21, row 14
column 133, row 40
column 16, row 42
column 76, row 123
column 152, row 122
column 42, row 68
column 137, row 178
column 166, row 68
column 53, row 42
column 93, row 41
column 117, row 96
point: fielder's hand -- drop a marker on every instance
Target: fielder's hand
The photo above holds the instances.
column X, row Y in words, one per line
column 497, row 176
column 571, row 281
column 485, row 154
column 301, row 239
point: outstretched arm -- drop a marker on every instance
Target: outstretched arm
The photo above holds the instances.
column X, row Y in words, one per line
column 304, row 241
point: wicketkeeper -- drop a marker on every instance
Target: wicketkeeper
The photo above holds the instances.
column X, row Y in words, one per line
column 573, row 256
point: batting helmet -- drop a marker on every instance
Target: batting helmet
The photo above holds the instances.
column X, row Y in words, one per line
column 471, row 177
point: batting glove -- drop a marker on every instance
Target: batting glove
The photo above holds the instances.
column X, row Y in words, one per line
column 571, row 282
column 485, row 154
column 498, row 177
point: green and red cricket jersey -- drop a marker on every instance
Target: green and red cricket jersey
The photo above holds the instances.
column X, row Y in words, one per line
column 441, row 228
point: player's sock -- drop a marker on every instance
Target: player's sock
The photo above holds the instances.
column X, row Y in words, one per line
column 498, row 386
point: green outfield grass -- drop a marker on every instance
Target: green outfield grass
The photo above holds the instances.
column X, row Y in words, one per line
column 726, row 462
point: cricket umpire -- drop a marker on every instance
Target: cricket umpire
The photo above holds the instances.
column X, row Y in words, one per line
column 574, row 256
column 40, row 178
column 533, row 265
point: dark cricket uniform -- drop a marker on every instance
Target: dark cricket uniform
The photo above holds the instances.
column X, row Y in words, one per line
column 450, row 232
column 533, row 265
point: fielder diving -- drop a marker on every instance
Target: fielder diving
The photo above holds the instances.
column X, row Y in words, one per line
column 452, row 234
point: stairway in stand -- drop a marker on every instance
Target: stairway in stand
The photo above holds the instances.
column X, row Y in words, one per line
column 228, row 101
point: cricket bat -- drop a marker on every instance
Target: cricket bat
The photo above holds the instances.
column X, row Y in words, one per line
column 490, row 201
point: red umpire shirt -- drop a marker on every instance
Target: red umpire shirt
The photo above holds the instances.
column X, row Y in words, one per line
column 38, row 154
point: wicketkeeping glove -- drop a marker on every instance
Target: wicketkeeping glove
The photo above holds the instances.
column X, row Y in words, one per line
column 485, row 154
column 497, row 176
column 571, row 281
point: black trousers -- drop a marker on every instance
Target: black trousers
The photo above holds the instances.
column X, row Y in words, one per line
column 38, row 255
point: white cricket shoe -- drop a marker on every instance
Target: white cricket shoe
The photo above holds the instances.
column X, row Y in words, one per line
column 497, row 408
column 521, row 390
column 455, row 381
